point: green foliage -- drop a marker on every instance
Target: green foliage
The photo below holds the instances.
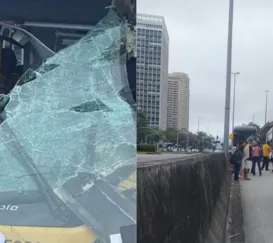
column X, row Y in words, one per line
column 146, row 148
column 170, row 136
column 204, row 141
column 147, row 136
column 141, row 126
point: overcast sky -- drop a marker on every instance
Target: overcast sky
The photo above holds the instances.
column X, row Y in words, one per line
column 198, row 46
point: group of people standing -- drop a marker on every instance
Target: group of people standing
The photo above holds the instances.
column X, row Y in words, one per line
column 250, row 152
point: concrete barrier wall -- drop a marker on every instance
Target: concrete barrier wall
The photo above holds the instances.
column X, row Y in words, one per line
column 183, row 201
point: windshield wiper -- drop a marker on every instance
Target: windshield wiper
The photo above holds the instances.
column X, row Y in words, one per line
column 55, row 201
column 26, row 161
column 4, row 100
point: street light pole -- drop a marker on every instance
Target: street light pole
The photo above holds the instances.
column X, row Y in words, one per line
column 188, row 137
column 198, row 123
column 234, row 95
column 228, row 79
column 266, row 97
column 186, row 131
column 177, row 139
column 253, row 119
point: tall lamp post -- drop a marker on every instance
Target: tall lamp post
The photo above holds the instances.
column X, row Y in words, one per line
column 228, row 79
column 266, row 97
column 187, row 133
column 177, row 139
column 234, row 95
column 253, row 119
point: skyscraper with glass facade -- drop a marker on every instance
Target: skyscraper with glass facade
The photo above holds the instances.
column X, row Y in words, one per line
column 152, row 68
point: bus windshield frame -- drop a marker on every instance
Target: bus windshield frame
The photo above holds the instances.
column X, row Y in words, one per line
column 244, row 133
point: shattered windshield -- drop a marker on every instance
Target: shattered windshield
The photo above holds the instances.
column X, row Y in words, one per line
column 69, row 119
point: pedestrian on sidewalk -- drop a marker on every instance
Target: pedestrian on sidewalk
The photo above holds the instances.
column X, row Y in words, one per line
column 256, row 159
column 266, row 152
column 246, row 159
column 232, row 158
column 238, row 159
column 271, row 157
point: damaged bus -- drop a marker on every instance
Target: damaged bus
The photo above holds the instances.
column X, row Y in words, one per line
column 244, row 133
column 67, row 131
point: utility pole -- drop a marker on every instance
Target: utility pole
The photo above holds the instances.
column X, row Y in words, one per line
column 234, row 95
column 266, row 97
column 177, row 139
column 187, row 133
column 188, row 138
column 228, row 79
column 198, row 123
column 253, row 119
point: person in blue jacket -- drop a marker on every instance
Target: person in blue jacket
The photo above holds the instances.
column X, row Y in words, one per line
column 237, row 159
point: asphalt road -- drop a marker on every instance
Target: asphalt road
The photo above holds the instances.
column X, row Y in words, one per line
column 257, row 201
column 142, row 158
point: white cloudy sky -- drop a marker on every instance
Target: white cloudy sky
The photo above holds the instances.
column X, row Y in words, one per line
column 198, row 46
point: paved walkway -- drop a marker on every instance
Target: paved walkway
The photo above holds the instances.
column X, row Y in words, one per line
column 257, row 200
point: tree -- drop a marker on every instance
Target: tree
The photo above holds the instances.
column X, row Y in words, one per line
column 203, row 141
column 141, row 126
column 144, row 133
column 255, row 125
column 170, row 136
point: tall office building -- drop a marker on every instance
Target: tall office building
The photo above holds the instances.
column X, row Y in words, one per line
column 178, row 101
column 152, row 68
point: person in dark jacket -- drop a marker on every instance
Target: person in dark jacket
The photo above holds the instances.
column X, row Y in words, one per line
column 266, row 148
column 238, row 159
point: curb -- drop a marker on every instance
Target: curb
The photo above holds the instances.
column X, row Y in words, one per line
column 236, row 232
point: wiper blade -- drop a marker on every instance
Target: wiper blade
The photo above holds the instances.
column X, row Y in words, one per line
column 54, row 199
column 4, row 100
column 20, row 153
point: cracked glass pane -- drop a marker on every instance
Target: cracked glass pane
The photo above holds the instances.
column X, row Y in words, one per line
column 68, row 125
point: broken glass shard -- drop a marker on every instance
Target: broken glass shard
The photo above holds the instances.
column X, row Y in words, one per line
column 95, row 105
column 98, row 138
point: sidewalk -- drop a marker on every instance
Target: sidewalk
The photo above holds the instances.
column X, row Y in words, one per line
column 257, row 202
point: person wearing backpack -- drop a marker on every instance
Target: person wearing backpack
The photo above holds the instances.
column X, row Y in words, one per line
column 266, row 152
column 256, row 159
column 237, row 159
column 232, row 158
column 246, row 157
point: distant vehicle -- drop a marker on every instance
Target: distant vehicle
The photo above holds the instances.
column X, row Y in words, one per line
column 206, row 151
column 169, row 149
column 218, row 149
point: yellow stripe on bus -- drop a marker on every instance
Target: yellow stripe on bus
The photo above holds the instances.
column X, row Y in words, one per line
column 20, row 234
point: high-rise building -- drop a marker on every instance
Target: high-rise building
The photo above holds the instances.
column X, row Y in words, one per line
column 152, row 68
column 178, row 101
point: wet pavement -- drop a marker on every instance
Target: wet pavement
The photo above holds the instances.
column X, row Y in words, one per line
column 257, row 202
